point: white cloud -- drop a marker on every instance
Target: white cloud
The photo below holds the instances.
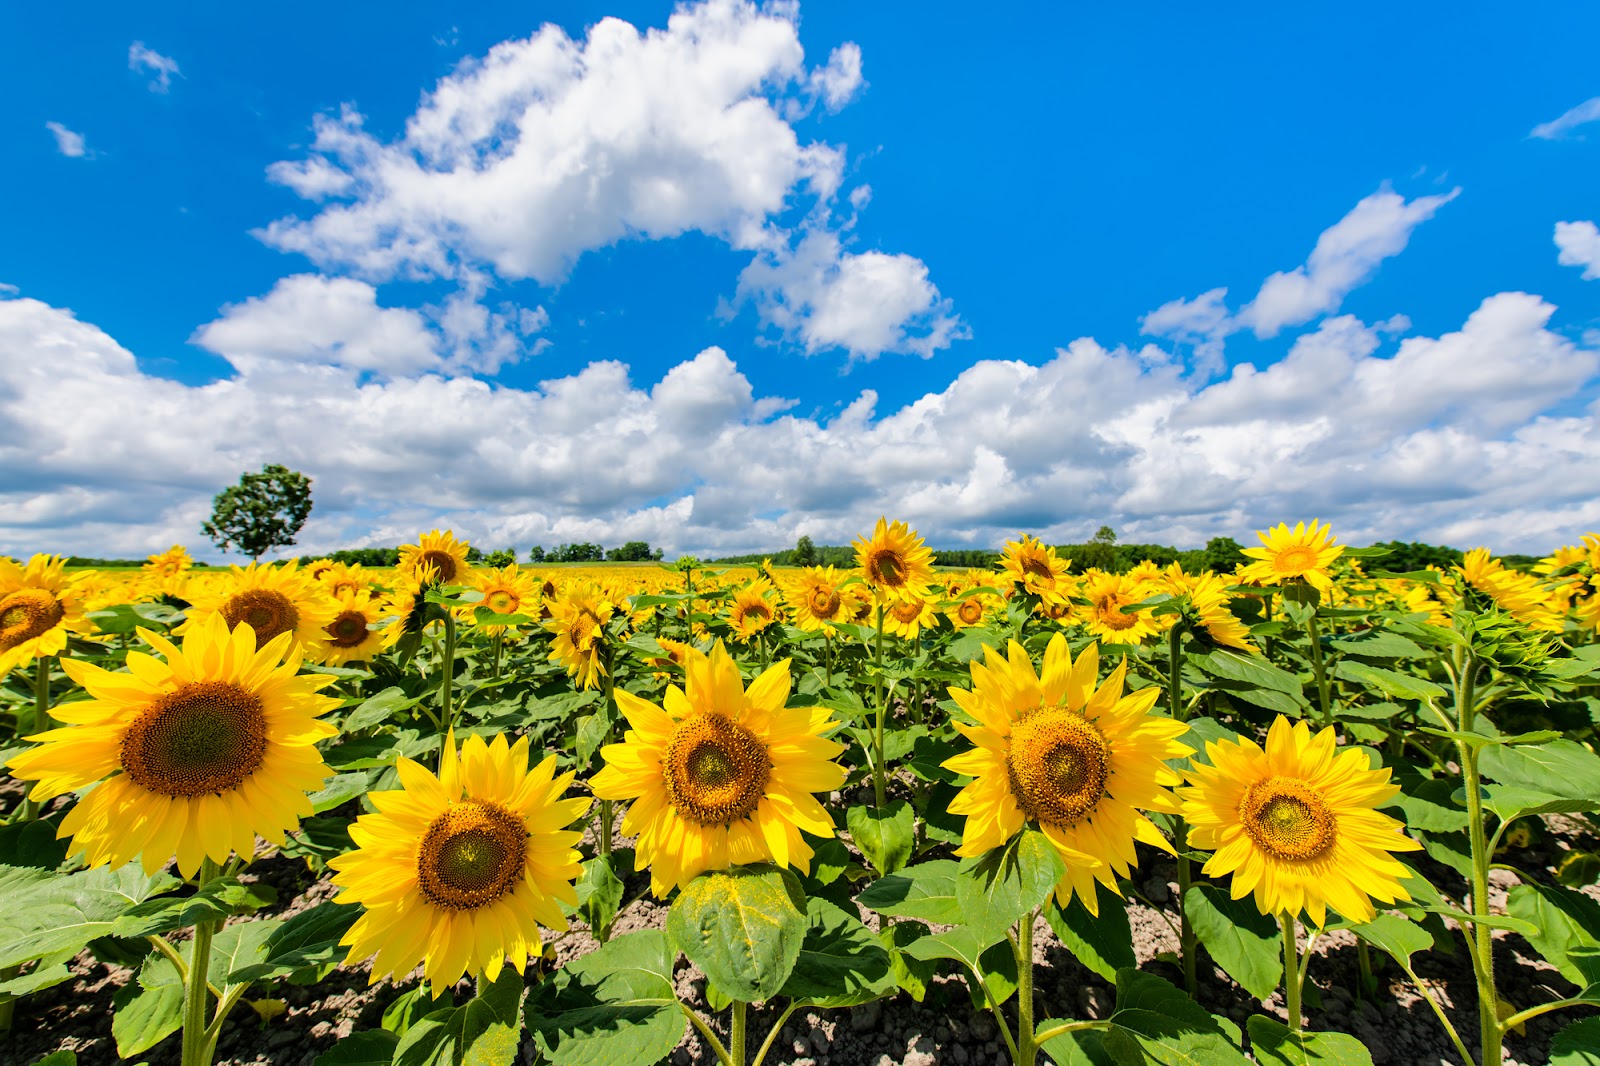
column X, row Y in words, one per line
column 1580, row 246
column 1484, row 434
column 1584, row 113
column 839, row 81
column 147, row 60
column 68, row 142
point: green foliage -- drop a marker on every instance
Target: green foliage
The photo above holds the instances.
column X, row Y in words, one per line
column 1244, row 942
column 742, row 927
column 1275, row 1045
column 484, row 1032
column 263, row 511
column 1103, row 942
column 612, row 1007
column 884, row 836
column 634, row 551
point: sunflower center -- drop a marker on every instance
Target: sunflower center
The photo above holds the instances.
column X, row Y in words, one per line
column 716, row 771
column 970, row 612
column 581, row 632
column 25, row 614
column 824, row 601
column 887, row 568
column 1058, row 765
column 759, row 610
column 906, row 612
column 471, row 855
column 1039, row 569
column 207, row 736
column 1287, row 818
column 1296, row 560
column 267, row 611
column 1111, row 616
column 501, row 602
column 348, row 630
column 443, row 563
column 343, row 585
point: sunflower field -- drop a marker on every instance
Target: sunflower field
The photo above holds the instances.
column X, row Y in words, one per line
column 1311, row 811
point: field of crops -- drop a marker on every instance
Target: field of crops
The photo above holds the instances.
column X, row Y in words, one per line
column 1312, row 811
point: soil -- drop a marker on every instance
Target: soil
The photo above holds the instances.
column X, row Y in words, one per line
column 1396, row 1025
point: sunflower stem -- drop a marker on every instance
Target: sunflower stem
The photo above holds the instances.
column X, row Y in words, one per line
column 772, row 1034
column 499, row 639
column 1291, row 970
column 1188, row 946
column 1027, row 1048
column 736, row 1033
column 1324, row 699
column 41, row 722
column 1491, row 1031
column 603, row 840
column 877, row 735
column 196, row 993
column 445, row 680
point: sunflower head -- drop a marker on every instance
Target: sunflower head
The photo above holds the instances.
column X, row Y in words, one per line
column 357, row 632
column 814, row 598
column 894, row 561
column 751, row 610
column 442, row 552
column 1103, row 614
column 908, row 616
column 1298, row 556
column 1208, row 614
column 578, row 620
column 40, row 607
column 1035, row 568
column 271, row 600
column 506, row 590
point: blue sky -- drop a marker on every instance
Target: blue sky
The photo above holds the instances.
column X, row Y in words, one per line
column 855, row 259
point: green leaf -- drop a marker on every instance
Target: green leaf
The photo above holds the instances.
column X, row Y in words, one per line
column 884, row 836
column 341, row 790
column 742, row 927
column 1203, row 731
column 218, row 900
column 46, row 973
column 963, row 944
column 830, row 859
column 1080, row 1047
column 41, row 913
column 997, row 889
column 1244, row 942
column 407, row 1009
column 1577, row 1045
column 841, row 964
column 599, row 895
column 380, row 708
column 1561, row 768
column 1275, row 1045
column 1563, row 921
column 1427, row 806
column 1400, row 937
column 1378, row 644
column 148, row 1010
column 237, row 949
column 32, row 843
column 613, row 1007
column 484, row 1032
column 911, row 974
column 1249, row 670
column 1104, row 943
column 310, row 938
column 1391, row 683
column 926, row 891
column 1157, row 1023
column 63, row 1057
column 372, row 1047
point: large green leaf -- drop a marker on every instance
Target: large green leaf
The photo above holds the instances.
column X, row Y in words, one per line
column 310, row 938
column 1560, row 768
column 1157, row 1023
column 1378, row 644
column 743, row 927
column 1563, row 920
column 484, row 1032
column 148, row 1010
column 1427, row 806
column 1244, row 942
column 216, row 901
column 1249, row 670
column 1081, row 1047
column 41, row 913
column 884, row 836
column 841, row 964
column 380, row 708
column 1391, row 683
column 599, row 892
column 341, row 790
column 1398, row 936
column 1577, row 1045
column 238, row 949
column 1102, row 942
column 911, row 974
column 926, row 891
column 997, row 889
column 613, row 1007
column 371, row 1047
column 1275, row 1045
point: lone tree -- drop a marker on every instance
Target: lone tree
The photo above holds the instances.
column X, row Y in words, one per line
column 263, row 511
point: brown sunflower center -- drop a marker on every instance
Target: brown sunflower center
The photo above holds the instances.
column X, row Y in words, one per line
column 207, row 736
column 443, row 563
column 757, row 610
column 348, row 630
column 1287, row 818
column 268, row 612
column 1296, row 560
column 1058, row 765
column 27, row 613
column 886, row 567
column 501, row 602
column 716, row 771
column 471, row 855
column 1040, row 569
column 970, row 612
column 581, row 631
column 824, row 601
column 1111, row 616
column 906, row 612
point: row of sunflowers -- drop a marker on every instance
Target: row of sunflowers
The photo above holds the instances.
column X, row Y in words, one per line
column 845, row 785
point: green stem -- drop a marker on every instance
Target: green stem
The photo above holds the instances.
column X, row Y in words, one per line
column 196, row 989
column 445, row 681
column 1491, row 1032
column 1324, row 698
column 827, row 659
column 736, row 1034
column 877, row 735
column 1444, row 1019
column 708, row 1036
column 1047, row 1035
column 1364, row 959
column 1188, row 944
column 41, row 721
column 1525, row 1016
column 1291, row 971
column 994, row 1008
column 607, row 810
column 1027, row 1048
column 499, row 639
column 766, row 1045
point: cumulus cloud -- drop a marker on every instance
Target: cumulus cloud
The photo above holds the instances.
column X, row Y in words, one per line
column 68, row 142
column 839, row 81
column 1556, row 129
column 1580, row 247
column 145, row 60
column 1483, row 434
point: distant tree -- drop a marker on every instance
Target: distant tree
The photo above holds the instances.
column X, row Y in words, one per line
column 1223, row 554
column 503, row 557
column 634, row 551
column 536, row 554
column 263, row 511
column 657, row 554
column 1100, row 551
column 580, row 552
column 474, row 554
column 805, row 552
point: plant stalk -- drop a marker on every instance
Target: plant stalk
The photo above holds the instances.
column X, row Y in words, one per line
column 736, row 1038
column 1188, row 944
column 41, row 722
column 877, row 734
column 197, row 1046
column 446, row 679
column 607, row 809
column 1027, row 1047
column 1324, row 697
column 1491, row 1031
column 1291, row 971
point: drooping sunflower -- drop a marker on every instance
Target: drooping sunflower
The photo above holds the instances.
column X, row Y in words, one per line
column 908, row 617
column 357, row 632
column 578, row 620
column 751, row 610
column 1208, row 597
column 1079, row 761
column 814, row 598
column 506, row 590
column 195, row 756
column 1287, row 556
column 167, row 573
column 40, row 607
column 273, row 600
column 1035, row 568
column 1297, row 824
column 894, row 561
column 459, row 871
column 1103, row 616
column 720, row 774
column 1519, row 595
column 441, row 551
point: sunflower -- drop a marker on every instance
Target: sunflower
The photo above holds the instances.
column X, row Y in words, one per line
column 1519, row 595
column 39, row 608
column 1108, row 594
column 969, row 607
column 1297, row 824
column 1081, row 762
column 459, row 871
column 407, row 602
column 167, row 573
column 1419, row 597
column 441, row 551
column 273, row 600
column 908, row 617
column 1287, row 556
column 751, row 611
column 894, row 561
column 340, row 578
column 194, row 757
column 356, row 633
column 1208, row 596
column 814, row 598
column 505, row 591
column 721, row 774
column 578, row 620
column 1035, row 568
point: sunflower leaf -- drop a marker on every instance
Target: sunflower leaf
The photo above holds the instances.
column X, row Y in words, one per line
column 997, row 889
column 743, row 927
column 42, row 913
column 613, row 1007
column 1156, row 1022
column 1395, row 935
column 1564, row 922
column 371, row 1047
column 1102, row 942
column 926, row 891
column 1244, row 942
column 484, row 1032
column 148, row 1010
column 1274, row 1044
column 884, row 835
column 1391, row 683
column 1577, row 1045
column 841, row 964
